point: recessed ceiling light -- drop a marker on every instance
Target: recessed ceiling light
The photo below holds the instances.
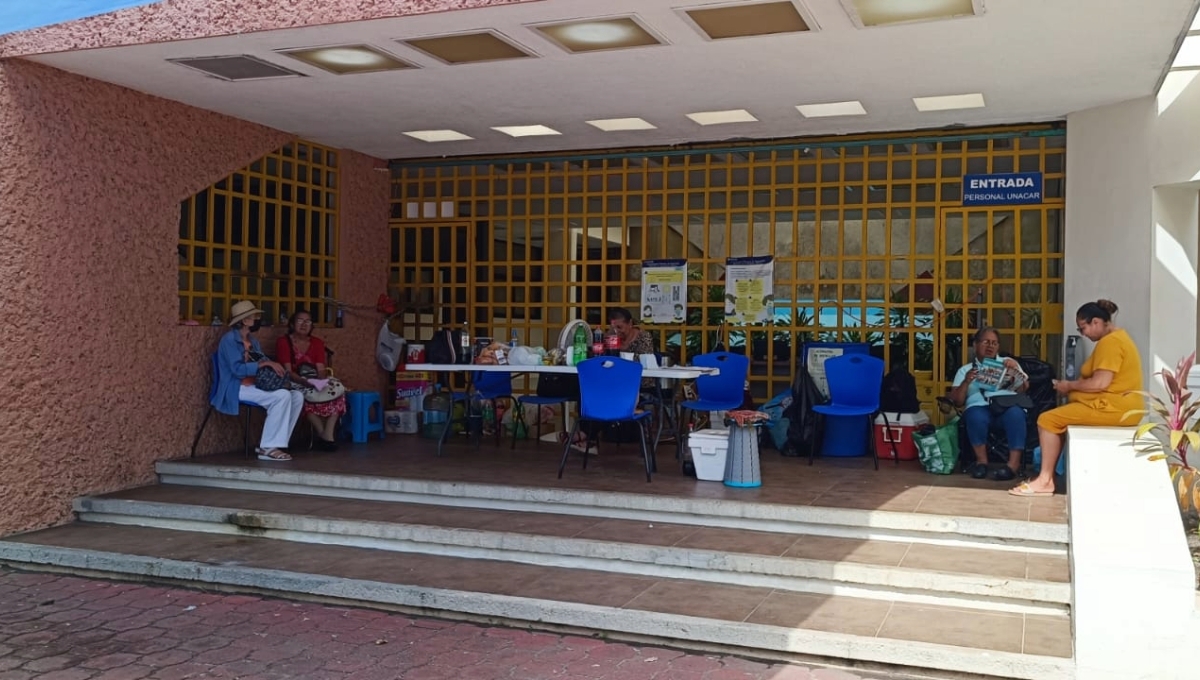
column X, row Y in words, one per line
column 1189, row 53
column 345, row 59
column 747, row 19
column 437, row 135
column 851, row 108
column 468, row 48
column 721, row 117
column 617, row 124
column 526, row 130
column 236, row 67
column 949, row 102
column 880, row 12
column 598, row 34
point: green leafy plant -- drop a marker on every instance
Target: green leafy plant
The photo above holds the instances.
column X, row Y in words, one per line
column 1178, row 432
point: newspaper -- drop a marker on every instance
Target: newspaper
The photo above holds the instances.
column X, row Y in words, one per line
column 994, row 374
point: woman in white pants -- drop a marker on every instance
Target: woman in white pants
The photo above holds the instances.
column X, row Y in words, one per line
column 239, row 357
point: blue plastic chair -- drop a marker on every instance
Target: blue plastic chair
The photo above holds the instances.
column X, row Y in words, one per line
column 488, row 385
column 608, row 393
column 212, row 392
column 854, row 383
column 722, row 392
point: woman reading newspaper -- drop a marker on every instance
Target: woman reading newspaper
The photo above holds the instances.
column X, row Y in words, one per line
column 975, row 385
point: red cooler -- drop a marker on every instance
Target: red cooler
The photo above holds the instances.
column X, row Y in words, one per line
column 899, row 430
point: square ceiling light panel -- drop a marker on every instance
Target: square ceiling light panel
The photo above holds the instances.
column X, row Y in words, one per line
column 526, row 130
column 949, row 102
column 437, row 135
column 883, row 12
column 621, row 124
column 592, row 35
column 346, row 59
column 722, row 117
column 236, row 67
column 850, row 108
column 748, row 19
column 468, row 48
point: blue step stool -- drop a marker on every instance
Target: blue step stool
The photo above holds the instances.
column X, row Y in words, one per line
column 362, row 418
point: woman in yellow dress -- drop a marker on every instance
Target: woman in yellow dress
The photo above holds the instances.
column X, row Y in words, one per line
column 1100, row 397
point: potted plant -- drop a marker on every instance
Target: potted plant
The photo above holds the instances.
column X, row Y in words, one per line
column 1177, row 435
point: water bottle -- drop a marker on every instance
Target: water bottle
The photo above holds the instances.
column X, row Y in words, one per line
column 465, row 345
column 340, row 320
column 475, row 416
column 515, row 341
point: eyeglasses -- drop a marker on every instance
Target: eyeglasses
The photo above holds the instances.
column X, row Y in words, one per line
column 990, row 343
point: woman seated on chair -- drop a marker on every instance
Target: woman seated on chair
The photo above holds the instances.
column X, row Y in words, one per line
column 239, row 358
column 303, row 356
column 974, row 391
column 1102, row 396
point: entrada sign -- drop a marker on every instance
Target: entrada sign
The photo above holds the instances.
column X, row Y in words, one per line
column 1010, row 188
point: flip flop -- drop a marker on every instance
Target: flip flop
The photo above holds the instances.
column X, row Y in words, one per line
column 274, row 455
column 1023, row 489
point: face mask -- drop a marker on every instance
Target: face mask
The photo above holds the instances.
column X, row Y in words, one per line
column 256, row 325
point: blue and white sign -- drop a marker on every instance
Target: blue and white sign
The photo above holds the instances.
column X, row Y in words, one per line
column 1010, row 188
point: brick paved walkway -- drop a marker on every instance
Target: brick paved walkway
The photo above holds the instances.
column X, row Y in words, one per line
column 68, row 628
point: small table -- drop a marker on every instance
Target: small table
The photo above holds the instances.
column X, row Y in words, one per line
column 670, row 373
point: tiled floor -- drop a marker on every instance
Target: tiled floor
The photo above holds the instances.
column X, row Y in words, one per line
column 1045, row 635
column 830, row 482
column 1018, row 565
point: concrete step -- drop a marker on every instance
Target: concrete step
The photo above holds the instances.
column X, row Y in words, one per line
column 875, row 525
column 917, row 573
column 755, row 620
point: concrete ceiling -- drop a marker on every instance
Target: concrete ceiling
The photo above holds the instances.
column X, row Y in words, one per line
column 1033, row 60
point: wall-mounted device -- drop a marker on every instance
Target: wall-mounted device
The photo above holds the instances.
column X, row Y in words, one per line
column 1071, row 358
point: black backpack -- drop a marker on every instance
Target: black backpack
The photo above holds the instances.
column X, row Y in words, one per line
column 804, row 424
column 445, row 347
column 898, row 392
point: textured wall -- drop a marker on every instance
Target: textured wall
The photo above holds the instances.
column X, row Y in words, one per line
column 187, row 19
column 103, row 380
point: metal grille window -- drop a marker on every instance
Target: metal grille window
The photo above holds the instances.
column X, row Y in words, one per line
column 866, row 233
column 267, row 232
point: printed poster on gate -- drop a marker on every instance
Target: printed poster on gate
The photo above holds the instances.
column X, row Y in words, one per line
column 749, row 289
column 664, row 291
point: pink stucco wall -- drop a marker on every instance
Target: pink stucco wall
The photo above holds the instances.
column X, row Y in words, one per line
column 188, row 19
column 102, row 381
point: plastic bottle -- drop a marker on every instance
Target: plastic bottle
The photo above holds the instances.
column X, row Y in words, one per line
column 597, row 342
column 489, row 416
column 465, row 345
column 475, row 415
column 612, row 343
column 579, row 352
column 340, row 320
column 516, row 342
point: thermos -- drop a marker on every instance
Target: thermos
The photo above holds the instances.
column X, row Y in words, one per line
column 1071, row 358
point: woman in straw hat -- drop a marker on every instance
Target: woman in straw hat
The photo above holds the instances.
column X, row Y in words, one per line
column 239, row 357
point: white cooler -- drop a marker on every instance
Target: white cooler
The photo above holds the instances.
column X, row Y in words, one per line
column 709, row 449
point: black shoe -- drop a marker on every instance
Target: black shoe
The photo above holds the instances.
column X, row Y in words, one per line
column 689, row 468
column 326, row 445
column 1004, row 474
column 978, row 471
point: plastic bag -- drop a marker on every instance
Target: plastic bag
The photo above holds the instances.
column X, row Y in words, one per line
column 938, row 451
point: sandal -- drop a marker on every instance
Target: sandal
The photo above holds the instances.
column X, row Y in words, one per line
column 1023, row 489
column 273, row 455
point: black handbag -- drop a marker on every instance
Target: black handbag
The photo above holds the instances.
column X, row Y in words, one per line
column 559, row 386
column 1002, row 402
column 267, row 379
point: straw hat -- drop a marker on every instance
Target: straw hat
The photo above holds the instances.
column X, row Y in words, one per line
column 241, row 310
